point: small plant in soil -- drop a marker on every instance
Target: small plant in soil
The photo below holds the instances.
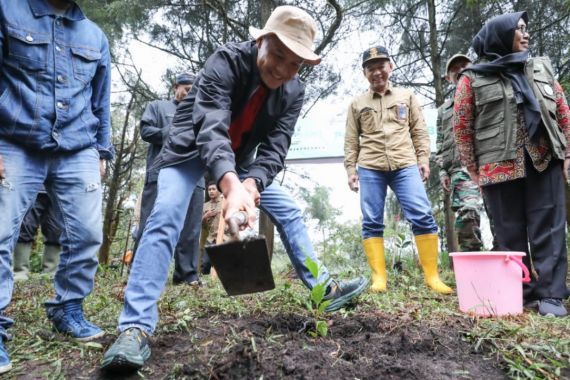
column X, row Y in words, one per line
column 317, row 303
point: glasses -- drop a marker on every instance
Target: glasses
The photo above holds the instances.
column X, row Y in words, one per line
column 522, row 29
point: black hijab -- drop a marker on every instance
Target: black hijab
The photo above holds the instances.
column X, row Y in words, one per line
column 495, row 42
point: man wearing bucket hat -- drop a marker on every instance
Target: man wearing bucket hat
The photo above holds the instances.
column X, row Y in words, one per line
column 237, row 122
column 386, row 137
column 154, row 126
column 465, row 195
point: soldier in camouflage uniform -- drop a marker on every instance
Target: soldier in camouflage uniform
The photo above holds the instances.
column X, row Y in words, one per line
column 466, row 198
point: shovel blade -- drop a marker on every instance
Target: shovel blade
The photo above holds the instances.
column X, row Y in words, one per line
column 242, row 266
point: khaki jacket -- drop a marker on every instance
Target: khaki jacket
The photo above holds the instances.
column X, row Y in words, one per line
column 385, row 132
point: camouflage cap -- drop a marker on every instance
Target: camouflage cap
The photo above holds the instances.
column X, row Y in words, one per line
column 455, row 58
column 376, row 52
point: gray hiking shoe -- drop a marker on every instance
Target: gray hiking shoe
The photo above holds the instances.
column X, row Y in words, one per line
column 342, row 292
column 129, row 352
column 552, row 307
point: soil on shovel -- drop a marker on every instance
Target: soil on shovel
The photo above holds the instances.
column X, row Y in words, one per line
column 363, row 346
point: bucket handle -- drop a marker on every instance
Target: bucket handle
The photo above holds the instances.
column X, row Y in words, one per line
column 526, row 273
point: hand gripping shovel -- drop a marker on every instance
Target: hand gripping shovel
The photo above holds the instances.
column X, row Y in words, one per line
column 243, row 265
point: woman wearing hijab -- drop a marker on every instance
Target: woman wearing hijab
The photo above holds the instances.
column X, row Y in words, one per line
column 512, row 128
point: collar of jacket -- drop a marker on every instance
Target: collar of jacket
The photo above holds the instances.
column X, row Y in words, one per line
column 41, row 8
column 374, row 94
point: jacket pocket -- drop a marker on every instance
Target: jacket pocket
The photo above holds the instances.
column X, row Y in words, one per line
column 490, row 139
column 27, row 49
column 368, row 120
column 489, row 100
column 399, row 112
column 546, row 89
column 85, row 63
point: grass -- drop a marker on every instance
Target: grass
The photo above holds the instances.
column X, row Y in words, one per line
column 528, row 346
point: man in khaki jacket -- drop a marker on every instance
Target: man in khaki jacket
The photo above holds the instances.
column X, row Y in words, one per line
column 387, row 144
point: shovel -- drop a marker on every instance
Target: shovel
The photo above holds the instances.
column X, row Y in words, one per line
column 242, row 265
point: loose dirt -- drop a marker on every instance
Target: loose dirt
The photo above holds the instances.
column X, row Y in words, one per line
column 360, row 346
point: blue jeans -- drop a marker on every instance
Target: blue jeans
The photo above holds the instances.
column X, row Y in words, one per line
column 73, row 183
column 407, row 184
column 150, row 267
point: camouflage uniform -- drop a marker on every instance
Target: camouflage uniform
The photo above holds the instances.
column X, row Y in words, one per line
column 466, row 198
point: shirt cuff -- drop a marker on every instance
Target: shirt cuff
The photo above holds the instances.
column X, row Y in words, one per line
column 106, row 153
column 350, row 171
column 220, row 168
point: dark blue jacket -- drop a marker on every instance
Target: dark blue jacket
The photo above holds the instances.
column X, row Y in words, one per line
column 55, row 79
column 218, row 96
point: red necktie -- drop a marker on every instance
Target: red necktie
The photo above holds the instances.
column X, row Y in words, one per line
column 244, row 122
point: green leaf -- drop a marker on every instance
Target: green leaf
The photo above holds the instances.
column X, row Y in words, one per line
column 322, row 328
column 313, row 267
column 317, row 294
column 324, row 305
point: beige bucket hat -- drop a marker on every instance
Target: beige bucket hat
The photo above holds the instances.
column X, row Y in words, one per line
column 295, row 28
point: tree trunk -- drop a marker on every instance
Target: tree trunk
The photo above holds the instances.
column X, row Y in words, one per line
column 439, row 99
column 110, row 216
column 435, row 56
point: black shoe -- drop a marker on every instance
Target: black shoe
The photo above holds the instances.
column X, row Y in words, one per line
column 129, row 352
column 552, row 307
column 531, row 305
column 342, row 292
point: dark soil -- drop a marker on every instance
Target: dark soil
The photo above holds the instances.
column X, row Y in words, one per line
column 363, row 346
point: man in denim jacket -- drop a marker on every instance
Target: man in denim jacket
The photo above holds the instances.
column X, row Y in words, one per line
column 54, row 128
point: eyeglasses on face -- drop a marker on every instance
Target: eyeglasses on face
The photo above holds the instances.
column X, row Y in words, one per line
column 522, row 29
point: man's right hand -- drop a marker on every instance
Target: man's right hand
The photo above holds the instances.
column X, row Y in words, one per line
column 237, row 198
column 2, row 169
column 353, row 182
column 445, row 182
column 210, row 214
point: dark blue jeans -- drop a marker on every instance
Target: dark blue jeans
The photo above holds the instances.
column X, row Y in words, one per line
column 407, row 184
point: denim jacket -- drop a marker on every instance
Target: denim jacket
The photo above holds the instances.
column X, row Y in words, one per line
column 55, row 79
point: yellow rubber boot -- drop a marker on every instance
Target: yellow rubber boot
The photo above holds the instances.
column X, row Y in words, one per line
column 374, row 250
column 427, row 250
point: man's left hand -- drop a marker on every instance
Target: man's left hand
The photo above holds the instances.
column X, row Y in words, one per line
column 2, row 169
column 424, row 171
column 251, row 187
column 102, row 168
column 566, row 166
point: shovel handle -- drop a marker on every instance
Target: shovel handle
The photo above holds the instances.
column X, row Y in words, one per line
column 221, row 225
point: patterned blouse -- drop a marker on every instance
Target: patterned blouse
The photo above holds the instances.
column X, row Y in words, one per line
column 508, row 170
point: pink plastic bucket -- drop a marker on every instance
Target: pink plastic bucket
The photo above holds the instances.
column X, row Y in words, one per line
column 490, row 283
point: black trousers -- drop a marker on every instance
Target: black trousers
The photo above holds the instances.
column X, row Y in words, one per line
column 187, row 251
column 529, row 215
column 41, row 214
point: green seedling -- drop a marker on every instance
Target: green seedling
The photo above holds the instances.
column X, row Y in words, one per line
column 317, row 303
